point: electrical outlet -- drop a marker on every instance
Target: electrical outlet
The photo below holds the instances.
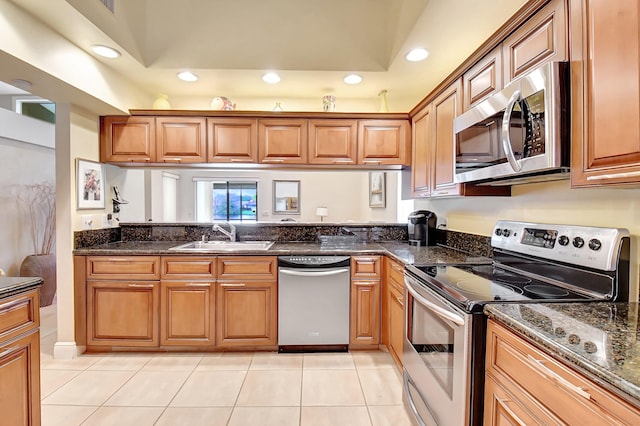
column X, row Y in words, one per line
column 87, row 221
column 443, row 222
column 106, row 220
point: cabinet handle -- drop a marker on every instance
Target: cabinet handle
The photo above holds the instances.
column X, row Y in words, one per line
column 8, row 351
column 397, row 268
column 554, row 377
column 10, row 305
column 272, row 161
column 343, row 161
column 614, row 176
column 372, row 162
column 141, row 285
column 436, row 193
column 199, row 285
column 172, row 160
column 135, row 160
column 237, row 160
column 503, row 403
column 399, row 300
column 233, row 285
column 365, row 283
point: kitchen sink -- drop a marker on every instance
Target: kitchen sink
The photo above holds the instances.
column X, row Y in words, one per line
column 206, row 246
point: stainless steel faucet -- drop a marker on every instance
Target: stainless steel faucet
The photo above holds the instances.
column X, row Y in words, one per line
column 231, row 233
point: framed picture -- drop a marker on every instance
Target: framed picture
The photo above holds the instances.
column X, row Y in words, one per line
column 89, row 184
column 377, row 189
column 286, row 197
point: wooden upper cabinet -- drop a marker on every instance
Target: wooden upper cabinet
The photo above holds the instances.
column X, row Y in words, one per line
column 332, row 141
column 420, row 154
column 543, row 38
column 127, row 139
column 232, row 140
column 384, row 142
column 282, row 141
column 445, row 108
column 605, row 112
column 483, row 79
column 181, row 140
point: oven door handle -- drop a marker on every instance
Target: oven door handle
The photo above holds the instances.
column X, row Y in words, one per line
column 313, row 273
column 443, row 313
column 506, row 126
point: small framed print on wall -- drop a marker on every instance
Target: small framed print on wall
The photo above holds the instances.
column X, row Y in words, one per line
column 377, row 189
column 89, row 184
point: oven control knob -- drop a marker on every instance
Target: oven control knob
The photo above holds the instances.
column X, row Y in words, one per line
column 498, row 232
column 563, row 240
column 595, row 244
column 574, row 339
column 578, row 242
column 560, row 332
column 590, row 347
column 506, row 233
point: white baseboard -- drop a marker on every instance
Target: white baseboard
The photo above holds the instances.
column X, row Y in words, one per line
column 65, row 350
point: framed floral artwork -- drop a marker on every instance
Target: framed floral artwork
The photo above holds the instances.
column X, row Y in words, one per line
column 90, row 184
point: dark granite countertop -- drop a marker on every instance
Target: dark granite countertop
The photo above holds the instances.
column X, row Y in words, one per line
column 14, row 285
column 400, row 251
column 614, row 328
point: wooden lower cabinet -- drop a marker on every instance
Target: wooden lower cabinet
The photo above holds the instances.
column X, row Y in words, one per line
column 123, row 313
column 20, row 359
column 526, row 386
column 187, row 315
column 365, row 314
column 247, row 313
column 396, row 321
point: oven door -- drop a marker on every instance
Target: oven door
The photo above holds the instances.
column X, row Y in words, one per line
column 436, row 357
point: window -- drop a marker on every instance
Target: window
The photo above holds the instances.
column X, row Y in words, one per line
column 226, row 200
column 34, row 107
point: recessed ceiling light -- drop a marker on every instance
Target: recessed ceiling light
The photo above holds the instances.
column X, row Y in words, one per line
column 417, row 54
column 105, row 51
column 271, row 78
column 187, row 76
column 352, row 79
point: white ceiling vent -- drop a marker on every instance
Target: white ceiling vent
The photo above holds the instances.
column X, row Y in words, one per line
column 109, row 4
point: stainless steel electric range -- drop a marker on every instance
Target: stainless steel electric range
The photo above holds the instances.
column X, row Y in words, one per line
column 445, row 329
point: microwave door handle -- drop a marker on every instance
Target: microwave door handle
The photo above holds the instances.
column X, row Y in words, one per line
column 442, row 313
column 506, row 126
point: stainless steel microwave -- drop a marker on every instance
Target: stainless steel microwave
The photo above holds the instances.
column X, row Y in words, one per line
column 518, row 135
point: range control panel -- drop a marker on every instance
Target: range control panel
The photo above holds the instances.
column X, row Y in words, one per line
column 593, row 247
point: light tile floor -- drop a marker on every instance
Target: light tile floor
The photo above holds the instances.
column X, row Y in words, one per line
column 234, row 389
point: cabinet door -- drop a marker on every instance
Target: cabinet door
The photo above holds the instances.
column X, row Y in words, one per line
column 247, row 313
column 125, row 139
column 282, row 141
column 500, row 409
column 445, row 108
column 541, row 39
column 365, row 314
column 181, row 140
column 383, row 142
column 232, row 140
column 366, row 267
column 605, row 113
column 332, row 142
column 20, row 380
column 396, row 323
column 483, row 79
column 19, row 314
column 122, row 313
column 187, row 313
column 420, row 154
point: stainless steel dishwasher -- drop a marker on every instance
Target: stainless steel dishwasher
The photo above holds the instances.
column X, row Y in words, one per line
column 313, row 303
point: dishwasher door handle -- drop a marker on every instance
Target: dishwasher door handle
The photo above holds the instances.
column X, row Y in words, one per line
column 302, row 273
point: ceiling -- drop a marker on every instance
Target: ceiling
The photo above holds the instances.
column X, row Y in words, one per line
column 311, row 44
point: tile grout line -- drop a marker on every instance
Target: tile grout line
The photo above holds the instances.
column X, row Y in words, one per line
column 177, row 391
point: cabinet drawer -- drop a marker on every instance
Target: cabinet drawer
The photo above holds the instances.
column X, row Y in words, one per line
column 123, row 267
column 561, row 390
column 366, row 266
column 395, row 274
column 18, row 314
column 188, row 267
column 248, row 267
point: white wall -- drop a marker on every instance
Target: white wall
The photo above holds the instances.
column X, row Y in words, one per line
column 344, row 193
column 20, row 163
column 552, row 202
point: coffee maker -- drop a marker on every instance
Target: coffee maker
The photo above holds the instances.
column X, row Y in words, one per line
column 422, row 228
